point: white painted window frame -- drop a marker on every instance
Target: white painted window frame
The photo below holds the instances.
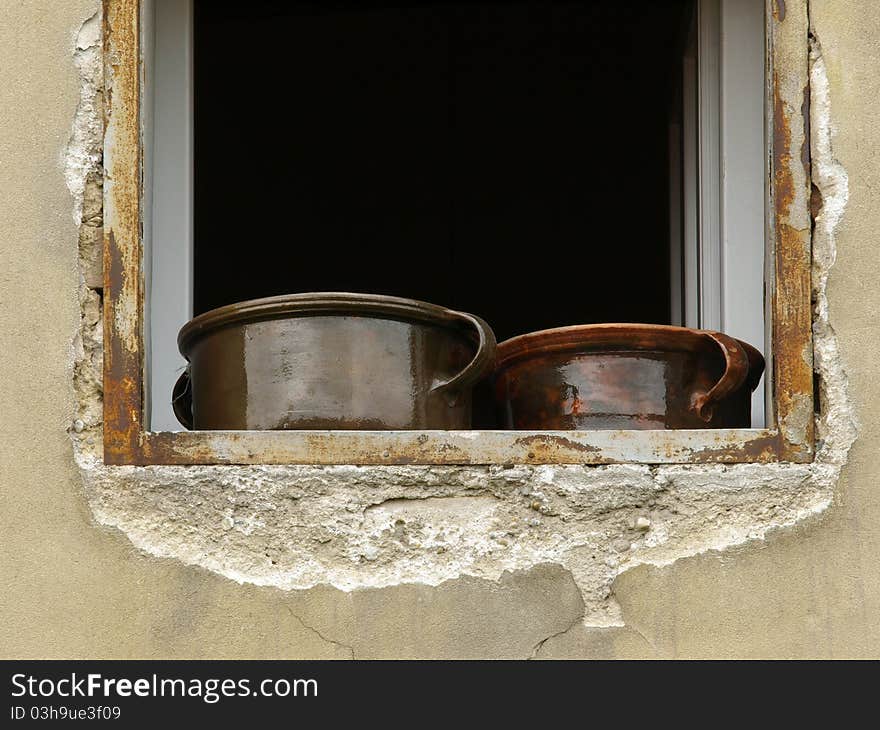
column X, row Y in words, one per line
column 718, row 269
column 168, row 196
column 717, row 197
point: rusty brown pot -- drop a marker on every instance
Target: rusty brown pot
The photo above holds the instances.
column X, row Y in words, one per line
column 331, row 361
column 625, row 376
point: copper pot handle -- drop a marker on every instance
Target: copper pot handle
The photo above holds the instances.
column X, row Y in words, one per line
column 181, row 399
column 735, row 373
column 477, row 367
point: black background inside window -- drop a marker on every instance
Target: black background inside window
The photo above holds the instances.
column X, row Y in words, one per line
column 507, row 159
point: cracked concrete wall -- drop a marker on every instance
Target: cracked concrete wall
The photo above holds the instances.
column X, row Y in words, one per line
column 619, row 561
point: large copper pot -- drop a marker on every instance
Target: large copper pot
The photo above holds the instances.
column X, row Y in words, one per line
column 625, row 376
column 331, row 361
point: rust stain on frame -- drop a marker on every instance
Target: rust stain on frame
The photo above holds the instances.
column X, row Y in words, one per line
column 456, row 447
column 123, row 286
column 792, row 315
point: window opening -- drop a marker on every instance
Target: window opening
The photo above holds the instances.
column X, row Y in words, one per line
column 157, row 247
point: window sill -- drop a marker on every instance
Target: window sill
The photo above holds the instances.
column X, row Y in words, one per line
column 458, row 447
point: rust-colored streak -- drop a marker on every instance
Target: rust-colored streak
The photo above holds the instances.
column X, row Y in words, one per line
column 783, row 183
column 123, row 298
column 550, row 442
column 761, row 449
column 792, row 316
column 793, row 352
column 122, row 387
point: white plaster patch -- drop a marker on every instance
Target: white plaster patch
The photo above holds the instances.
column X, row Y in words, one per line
column 836, row 428
column 357, row 527
column 83, row 152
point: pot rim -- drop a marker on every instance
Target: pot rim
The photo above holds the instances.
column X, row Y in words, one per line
column 614, row 337
column 354, row 304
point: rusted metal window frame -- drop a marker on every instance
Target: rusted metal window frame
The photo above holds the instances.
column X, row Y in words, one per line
column 789, row 437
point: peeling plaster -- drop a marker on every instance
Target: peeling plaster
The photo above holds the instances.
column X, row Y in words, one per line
column 81, row 160
column 82, row 155
column 836, row 427
column 296, row 527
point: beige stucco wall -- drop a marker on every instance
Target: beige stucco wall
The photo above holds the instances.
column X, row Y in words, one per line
column 73, row 588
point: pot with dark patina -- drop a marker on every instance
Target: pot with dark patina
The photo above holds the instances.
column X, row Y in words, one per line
column 331, row 361
column 625, row 376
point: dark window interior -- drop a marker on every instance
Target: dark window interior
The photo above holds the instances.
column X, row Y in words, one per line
column 508, row 159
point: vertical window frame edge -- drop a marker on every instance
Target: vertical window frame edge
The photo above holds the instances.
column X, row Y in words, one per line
column 790, row 437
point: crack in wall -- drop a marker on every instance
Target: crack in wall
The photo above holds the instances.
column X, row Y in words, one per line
column 356, row 528
column 321, row 636
column 578, row 620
